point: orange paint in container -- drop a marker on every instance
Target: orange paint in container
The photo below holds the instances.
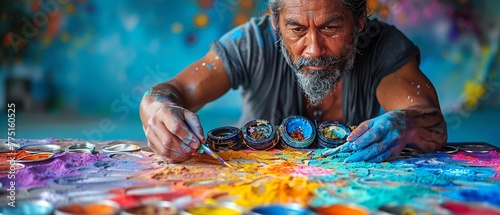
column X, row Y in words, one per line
column 97, row 208
column 36, row 157
column 338, row 209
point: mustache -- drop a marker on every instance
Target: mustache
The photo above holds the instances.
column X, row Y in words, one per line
column 321, row 61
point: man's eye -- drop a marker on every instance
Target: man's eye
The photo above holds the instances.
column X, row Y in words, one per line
column 330, row 27
column 297, row 30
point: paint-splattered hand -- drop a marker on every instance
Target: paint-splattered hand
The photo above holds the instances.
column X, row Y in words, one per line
column 379, row 139
column 174, row 133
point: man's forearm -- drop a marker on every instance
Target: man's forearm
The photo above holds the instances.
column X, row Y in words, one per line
column 428, row 128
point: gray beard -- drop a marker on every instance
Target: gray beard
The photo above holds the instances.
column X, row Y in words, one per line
column 317, row 84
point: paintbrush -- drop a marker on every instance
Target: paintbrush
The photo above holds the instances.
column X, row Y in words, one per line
column 207, row 150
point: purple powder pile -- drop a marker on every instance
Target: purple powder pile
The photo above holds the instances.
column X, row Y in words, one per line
column 64, row 164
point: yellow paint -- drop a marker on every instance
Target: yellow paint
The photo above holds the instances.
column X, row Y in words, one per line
column 213, row 210
column 201, row 20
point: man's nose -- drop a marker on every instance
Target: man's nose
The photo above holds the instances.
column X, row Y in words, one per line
column 314, row 46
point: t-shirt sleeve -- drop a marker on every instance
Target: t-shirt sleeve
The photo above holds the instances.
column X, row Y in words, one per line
column 393, row 49
column 241, row 51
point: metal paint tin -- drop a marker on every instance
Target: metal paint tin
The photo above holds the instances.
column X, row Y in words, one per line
column 341, row 209
column 297, row 132
column 448, row 150
column 292, row 209
column 53, row 148
column 105, row 207
column 225, row 138
column 86, row 147
column 36, row 207
column 225, row 208
column 124, row 156
column 260, row 135
column 332, row 134
column 36, row 157
column 460, row 207
column 476, row 149
column 162, row 207
column 8, row 147
column 122, row 147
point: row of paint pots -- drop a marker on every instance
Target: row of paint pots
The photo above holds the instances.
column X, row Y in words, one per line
column 293, row 132
column 107, row 207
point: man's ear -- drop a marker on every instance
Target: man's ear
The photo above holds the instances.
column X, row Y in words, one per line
column 361, row 23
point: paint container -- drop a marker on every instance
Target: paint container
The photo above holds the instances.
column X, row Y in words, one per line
column 341, row 209
column 36, row 157
column 8, row 167
column 8, row 147
column 260, row 135
column 293, row 209
column 157, row 208
column 448, row 150
column 105, row 207
column 297, row 132
column 225, row 138
column 122, row 147
column 52, row 148
column 35, row 207
column 469, row 208
column 476, row 149
column 125, row 156
column 332, row 134
column 225, row 208
column 409, row 209
column 86, row 147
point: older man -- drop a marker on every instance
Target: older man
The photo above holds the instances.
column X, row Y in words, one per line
column 322, row 59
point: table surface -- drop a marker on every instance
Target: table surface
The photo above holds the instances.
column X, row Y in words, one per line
column 418, row 182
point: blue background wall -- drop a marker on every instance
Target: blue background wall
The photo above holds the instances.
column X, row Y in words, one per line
column 78, row 68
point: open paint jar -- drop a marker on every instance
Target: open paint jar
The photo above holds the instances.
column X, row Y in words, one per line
column 281, row 209
column 225, row 138
column 225, row 208
column 162, row 207
column 104, row 207
column 332, row 134
column 260, row 135
column 39, row 207
column 297, row 132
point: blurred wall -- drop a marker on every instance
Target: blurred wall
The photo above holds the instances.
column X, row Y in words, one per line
column 98, row 57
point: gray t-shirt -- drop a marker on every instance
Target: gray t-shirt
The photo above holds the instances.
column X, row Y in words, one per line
column 253, row 61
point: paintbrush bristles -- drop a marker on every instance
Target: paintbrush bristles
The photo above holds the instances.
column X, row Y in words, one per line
column 211, row 153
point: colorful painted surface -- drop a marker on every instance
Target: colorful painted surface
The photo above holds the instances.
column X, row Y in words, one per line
column 259, row 178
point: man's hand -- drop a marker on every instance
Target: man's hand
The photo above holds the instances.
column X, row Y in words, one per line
column 173, row 132
column 378, row 139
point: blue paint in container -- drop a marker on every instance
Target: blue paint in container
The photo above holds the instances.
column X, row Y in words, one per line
column 289, row 209
column 332, row 134
column 37, row 207
column 260, row 135
column 225, row 138
column 297, row 132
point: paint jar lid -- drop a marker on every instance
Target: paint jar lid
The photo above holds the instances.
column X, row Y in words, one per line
column 476, row 149
column 448, row 150
column 39, row 207
column 281, row 209
column 225, row 138
column 297, row 132
column 161, row 207
column 121, row 147
column 85, row 147
column 53, row 148
column 260, row 134
column 105, row 207
column 332, row 134
column 8, row 147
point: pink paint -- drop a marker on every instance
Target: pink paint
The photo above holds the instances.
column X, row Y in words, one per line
column 302, row 170
column 492, row 158
column 64, row 164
